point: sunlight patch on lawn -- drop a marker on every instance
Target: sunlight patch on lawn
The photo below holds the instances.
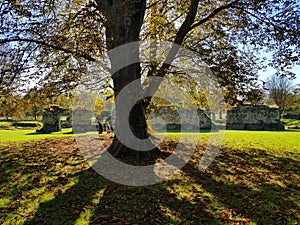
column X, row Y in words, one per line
column 172, row 215
column 88, row 210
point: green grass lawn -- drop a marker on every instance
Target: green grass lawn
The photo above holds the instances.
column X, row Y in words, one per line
column 22, row 135
column 29, row 135
column 277, row 143
column 254, row 180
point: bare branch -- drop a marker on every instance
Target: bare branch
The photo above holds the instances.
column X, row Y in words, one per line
column 43, row 43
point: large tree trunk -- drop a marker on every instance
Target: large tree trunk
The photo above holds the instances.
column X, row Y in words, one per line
column 138, row 125
column 123, row 25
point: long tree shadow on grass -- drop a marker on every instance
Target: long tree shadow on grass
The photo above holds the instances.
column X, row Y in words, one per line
column 257, row 185
column 154, row 204
column 97, row 201
column 67, row 207
column 239, row 187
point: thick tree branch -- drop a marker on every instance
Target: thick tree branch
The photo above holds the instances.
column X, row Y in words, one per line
column 186, row 27
column 189, row 20
column 213, row 14
column 43, row 43
column 182, row 32
column 180, row 35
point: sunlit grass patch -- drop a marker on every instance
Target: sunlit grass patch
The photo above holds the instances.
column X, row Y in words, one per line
column 30, row 135
column 253, row 180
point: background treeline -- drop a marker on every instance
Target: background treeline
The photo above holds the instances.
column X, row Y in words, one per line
column 277, row 92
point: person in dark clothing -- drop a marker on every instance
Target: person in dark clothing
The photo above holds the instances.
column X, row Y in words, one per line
column 100, row 128
column 108, row 130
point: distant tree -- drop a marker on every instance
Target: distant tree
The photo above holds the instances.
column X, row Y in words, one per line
column 36, row 100
column 12, row 106
column 295, row 105
column 34, row 103
column 99, row 105
column 280, row 90
column 63, row 100
column 91, row 101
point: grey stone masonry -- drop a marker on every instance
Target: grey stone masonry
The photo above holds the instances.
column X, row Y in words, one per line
column 254, row 118
column 51, row 119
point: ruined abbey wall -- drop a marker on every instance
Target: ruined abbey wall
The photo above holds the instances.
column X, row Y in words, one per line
column 239, row 118
column 51, row 119
column 254, row 118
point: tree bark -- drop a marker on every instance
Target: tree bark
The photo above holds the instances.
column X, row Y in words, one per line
column 123, row 25
column 138, row 126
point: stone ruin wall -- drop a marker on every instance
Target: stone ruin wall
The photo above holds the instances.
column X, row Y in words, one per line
column 239, row 118
column 51, row 119
column 254, row 118
column 172, row 120
column 82, row 121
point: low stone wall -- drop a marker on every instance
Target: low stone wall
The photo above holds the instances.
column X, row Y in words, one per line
column 254, row 118
column 51, row 119
column 82, row 121
column 172, row 120
column 238, row 118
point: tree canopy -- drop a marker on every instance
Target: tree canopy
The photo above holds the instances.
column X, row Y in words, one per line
column 53, row 42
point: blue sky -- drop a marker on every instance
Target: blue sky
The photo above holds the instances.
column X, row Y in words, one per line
column 270, row 71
